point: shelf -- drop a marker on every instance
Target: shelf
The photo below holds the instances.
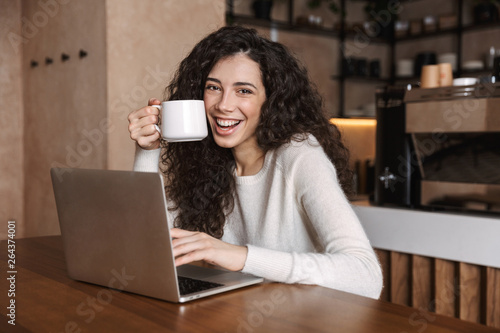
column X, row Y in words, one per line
column 244, row 19
column 479, row 27
column 369, row 79
column 349, row 35
column 464, row 73
column 250, row 20
column 437, row 33
column 476, row 72
column 352, row 35
column 406, row 78
column 358, row 118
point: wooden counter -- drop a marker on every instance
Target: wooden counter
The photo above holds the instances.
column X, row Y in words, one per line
column 48, row 301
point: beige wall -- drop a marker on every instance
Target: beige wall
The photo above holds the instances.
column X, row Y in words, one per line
column 11, row 117
column 73, row 113
column 63, row 100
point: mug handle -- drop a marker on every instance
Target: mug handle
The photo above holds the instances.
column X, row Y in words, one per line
column 156, row 125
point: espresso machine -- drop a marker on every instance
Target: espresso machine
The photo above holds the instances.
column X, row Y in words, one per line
column 439, row 148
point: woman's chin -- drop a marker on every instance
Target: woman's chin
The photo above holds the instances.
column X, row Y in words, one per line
column 224, row 143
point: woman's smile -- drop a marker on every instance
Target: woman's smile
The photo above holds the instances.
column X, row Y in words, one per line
column 226, row 126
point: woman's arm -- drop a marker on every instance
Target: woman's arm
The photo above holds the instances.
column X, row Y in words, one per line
column 345, row 258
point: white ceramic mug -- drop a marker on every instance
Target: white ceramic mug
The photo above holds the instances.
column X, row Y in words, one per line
column 182, row 120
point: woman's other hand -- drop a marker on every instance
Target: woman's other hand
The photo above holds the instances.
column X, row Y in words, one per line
column 192, row 246
column 142, row 125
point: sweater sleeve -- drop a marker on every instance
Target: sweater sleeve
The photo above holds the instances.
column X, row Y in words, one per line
column 146, row 160
column 345, row 259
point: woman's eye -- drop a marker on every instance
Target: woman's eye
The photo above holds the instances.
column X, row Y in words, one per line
column 245, row 91
column 212, row 88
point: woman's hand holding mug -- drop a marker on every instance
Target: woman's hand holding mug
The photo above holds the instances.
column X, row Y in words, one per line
column 182, row 120
column 142, row 125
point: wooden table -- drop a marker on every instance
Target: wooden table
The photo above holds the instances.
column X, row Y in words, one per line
column 48, row 301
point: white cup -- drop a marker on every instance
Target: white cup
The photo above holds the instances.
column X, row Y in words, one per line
column 182, row 120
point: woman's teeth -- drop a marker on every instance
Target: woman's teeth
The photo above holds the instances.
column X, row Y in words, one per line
column 227, row 123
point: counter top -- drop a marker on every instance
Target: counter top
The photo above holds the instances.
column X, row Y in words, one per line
column 459, row 237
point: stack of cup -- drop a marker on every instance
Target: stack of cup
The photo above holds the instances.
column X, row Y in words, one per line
column 434, row 76
column 445, row 75
column 430, row 76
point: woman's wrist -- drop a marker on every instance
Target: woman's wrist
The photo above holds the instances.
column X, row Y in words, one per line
column 242, row 252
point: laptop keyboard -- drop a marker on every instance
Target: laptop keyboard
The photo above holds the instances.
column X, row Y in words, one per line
column 189, row 285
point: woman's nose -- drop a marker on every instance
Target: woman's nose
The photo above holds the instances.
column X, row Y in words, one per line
column 226, row 102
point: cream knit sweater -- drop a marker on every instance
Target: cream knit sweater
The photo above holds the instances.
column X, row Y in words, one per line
column 296, row 222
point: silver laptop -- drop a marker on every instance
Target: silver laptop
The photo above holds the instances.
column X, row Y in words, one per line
column 116, row 234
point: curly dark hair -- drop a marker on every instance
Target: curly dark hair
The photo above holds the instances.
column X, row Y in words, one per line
column 199, row 175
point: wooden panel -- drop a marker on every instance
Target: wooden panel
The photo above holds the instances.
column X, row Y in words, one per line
column 421, row 274
column 400, row 278
column 470, row 292
column 454, row 289
column 446, row 289
column 385, row 260
column 493, row 297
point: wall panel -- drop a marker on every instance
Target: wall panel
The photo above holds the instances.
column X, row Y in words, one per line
column 11, row 118
column 455, row 289
column 400, row 278
column 445, row 287
column 493, row 297
column 385, row 263
column 65, row 101
column 421, row 277
column 470, row 292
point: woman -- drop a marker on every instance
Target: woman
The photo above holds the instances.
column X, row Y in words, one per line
column 265, row 192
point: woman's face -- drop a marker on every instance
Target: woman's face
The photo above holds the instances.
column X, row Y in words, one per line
column 234, row 94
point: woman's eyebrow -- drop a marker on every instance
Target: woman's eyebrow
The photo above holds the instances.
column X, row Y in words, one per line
column 234, row 84
column 212, row 79
column 244, row 84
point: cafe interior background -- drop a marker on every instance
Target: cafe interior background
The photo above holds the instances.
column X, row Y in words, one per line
column 72, row 70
